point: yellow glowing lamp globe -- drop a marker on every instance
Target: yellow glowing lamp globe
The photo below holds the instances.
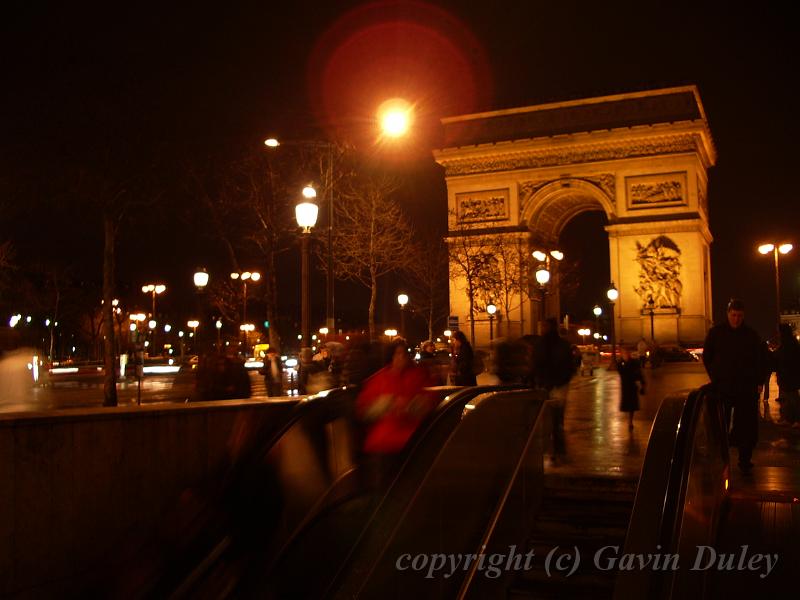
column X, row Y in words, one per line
column 201, row 279
column 395, row 117
column 306, row 214
column 542, row 276
column 612, row 293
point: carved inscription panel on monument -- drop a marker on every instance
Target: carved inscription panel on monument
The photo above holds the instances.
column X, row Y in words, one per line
column 487, row 205
column 656, row 191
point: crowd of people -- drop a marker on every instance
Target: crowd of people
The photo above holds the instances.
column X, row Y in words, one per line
column 392, row 400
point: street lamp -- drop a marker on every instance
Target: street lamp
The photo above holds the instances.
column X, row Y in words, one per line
column 402, row 300
column 306, row 215
column 244, row 277
column 218, row 325
column 310, row 193
column 597, row 311
column 193, row 325
column 154, row 289
column 583, row 333
column 776, row 250
column 543, row 271
column 651, row 305
column 491, row 309
column 613, row 295
column 395, row 117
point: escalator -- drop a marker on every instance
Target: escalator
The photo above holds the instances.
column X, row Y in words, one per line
column 280, row 488
column 471, row 484
column 584, row 512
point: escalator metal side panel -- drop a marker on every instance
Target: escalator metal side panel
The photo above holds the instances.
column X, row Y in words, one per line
column 644, row 530
column 448, row 512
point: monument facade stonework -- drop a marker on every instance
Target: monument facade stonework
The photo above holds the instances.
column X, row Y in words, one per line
column 516, row 177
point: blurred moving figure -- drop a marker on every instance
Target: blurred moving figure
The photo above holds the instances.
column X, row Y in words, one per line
column 510, row 361
column 391, row 405
column 273, row 373
column 786, row 360
column 553, row 368
column 222, row 377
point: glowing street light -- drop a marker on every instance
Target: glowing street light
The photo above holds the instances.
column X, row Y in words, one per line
column 306, row 215
column 244, row 277
column 776, row 250
column 491, row 309
column 402, row 300
column 613, row 296
column 395, row 117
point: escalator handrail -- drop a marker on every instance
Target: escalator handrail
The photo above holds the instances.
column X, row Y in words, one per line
column 453, row 402
column 670, row 449
column 493, row 393
column 316, row 510
column 500, row 507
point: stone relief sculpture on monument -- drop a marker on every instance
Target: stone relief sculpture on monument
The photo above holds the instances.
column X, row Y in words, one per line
column 659, row 272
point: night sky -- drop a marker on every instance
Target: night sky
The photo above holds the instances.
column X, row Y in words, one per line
column 182, row 83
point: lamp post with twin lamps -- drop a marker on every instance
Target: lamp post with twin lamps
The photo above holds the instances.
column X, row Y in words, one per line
column 543, row 273
column 776, row 250
column 306, row 215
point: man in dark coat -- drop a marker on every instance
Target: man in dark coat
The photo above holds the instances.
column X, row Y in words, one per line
column 737, row 363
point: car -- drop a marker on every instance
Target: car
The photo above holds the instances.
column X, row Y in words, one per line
column 671, row 354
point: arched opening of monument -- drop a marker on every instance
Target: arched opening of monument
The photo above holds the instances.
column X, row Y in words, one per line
column 585, row 274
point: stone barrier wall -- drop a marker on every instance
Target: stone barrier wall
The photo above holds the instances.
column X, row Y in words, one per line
column 75, row 485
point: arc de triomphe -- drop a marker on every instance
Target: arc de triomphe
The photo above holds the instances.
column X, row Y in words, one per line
column 516, row 177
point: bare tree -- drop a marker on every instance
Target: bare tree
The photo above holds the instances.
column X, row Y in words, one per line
column 471, row 258
column 511, row 281
column 372, row 236
column 429, row 294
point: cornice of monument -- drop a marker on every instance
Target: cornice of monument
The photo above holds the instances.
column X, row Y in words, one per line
column 610, row 145
column 688, row 223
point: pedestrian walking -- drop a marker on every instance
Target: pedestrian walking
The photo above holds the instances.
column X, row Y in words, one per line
column 273, row 373
column 630, row 373
column 462, row 367
column 553, row 368
column 736, row 360
column 787, row 368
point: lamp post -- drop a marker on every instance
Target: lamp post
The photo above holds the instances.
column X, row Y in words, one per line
column 200, row 279
column 244, row 277
column 193, row 325
column 402, row 300
column 329, row 147
column 597, row 311
column 491, row 309
column 543, row 272
column 651, row 309
column 613, row 295
column 154, row 289
column 306, row 215
column 776, row 249
column 218, row 325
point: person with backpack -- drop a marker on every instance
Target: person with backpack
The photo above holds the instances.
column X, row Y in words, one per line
column 553, row 368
